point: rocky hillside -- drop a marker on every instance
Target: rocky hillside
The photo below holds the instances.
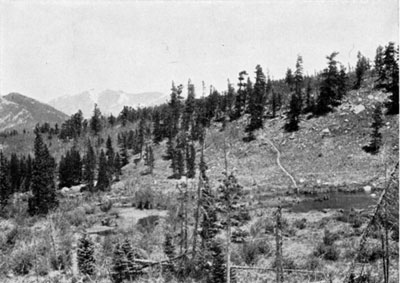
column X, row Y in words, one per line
column 20, row 112
column 109, row 101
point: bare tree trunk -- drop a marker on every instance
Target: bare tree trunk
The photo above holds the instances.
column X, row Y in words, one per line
column 228, row 229
column 186, row 200
column 197, row 214
column 278, row 239
column 386, row 253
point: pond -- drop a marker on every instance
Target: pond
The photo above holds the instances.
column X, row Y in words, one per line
column 336, row 200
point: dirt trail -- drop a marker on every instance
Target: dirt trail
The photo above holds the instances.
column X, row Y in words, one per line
column 278, row 161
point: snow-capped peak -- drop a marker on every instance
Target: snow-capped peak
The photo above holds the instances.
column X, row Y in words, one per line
column 94, row 95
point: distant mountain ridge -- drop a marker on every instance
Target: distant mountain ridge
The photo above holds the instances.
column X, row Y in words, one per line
column 21, row 112
column 109, row 101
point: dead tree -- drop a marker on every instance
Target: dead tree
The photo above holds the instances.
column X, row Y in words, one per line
column 278, row 239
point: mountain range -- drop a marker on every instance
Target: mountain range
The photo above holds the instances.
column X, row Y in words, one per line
column 21, row 112
column 108, row 101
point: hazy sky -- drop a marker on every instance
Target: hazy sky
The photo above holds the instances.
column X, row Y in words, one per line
column 50, row 50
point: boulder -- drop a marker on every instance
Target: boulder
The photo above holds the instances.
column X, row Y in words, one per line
column 358, row 109
column 367, row 189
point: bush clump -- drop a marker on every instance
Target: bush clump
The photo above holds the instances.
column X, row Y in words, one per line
column 327, row 249
column 22, row 260
column 300, row 223
column 251, row 251
column 106, row 206
column 369, row 254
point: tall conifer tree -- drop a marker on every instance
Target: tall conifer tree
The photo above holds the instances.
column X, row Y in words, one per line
column 42, row 184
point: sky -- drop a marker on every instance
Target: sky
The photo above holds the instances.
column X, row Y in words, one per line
column 51, row 49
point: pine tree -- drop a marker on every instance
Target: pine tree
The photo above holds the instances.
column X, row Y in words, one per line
column 89, row 166
column 218, row 269
column 118, row 265
column 157, row 128
column 179, row 155
column 190, row 161
column 240, row 101
column 229, row 195
column 378, row 68
column 298, row 81
column 362, row 67
column 256, row 104
column 28, row 173
column 42, row 184
column 175, row 108
column 169, row 251
column 118, row 166
column 70, row 168
column 209, row 226
column 110, row 156
column 15, row 174
column 289, row 79
column 292, row 123
column 309, row 99
column 376, row 136
column 274, row 103
column 389, row 78
column 111, row 120
column 95, row 121
column 342, row 83
column 141, row 136
column 132, row 270
column 5, row 187
column 328, row 90
column 149, row 158
column 229, row 102
column 123, row 265
column 85, row 255
column 123, row 145
column 189, row 108
column 103, row 180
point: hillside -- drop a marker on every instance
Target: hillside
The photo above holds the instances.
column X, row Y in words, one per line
column 109, row 101
column 324, row 157
column 19, row 112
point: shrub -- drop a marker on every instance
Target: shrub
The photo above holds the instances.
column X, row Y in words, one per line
column 328, row 252
column 76, row 217
column 85, row 254
column 239, row 236
column 369, row 254
column 22, row 260
column 270, row 225
column 330, row 238
column 312, row 263
column 106, row 206
column 89, row 209
column 251, row 251
column 287, row 263
column 11, row 236
column 300, row 223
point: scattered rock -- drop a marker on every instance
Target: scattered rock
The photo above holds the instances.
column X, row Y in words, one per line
column 370, row 96
column 367, row 189
column 325, row 132
column 358, row 109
